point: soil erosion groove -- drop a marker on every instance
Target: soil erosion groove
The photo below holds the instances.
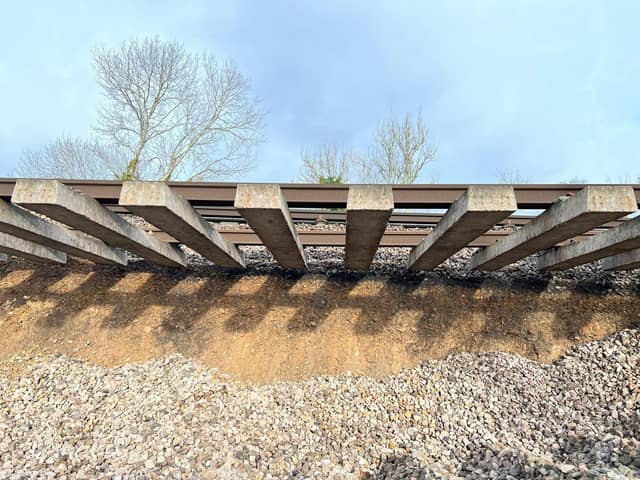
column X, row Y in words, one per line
column 267, row 327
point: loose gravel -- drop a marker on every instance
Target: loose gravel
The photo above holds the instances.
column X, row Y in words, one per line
column 493, row 416
column 392, row 262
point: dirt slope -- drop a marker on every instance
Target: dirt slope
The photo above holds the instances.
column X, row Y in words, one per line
column 265, row 327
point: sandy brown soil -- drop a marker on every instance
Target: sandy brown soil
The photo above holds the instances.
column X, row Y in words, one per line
column 261, row 328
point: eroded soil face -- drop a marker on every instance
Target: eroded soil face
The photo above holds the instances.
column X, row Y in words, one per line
column 267, row 327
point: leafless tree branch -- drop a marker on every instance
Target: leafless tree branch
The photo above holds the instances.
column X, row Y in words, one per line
column 326, row 165
column 399, row 152
column 179, row 115
column 512, row 176
column 167, row 114
column 69, row 157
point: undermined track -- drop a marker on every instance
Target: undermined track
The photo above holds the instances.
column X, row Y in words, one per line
column 579, row 223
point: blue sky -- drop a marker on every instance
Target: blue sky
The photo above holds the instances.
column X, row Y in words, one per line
column 548, row 88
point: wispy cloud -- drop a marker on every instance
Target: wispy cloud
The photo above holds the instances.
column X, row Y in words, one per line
column 546, row 87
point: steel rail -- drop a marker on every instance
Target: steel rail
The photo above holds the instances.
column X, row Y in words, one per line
column 337, row 239
column 229, row 214
column 247, row 237
column 300, row 195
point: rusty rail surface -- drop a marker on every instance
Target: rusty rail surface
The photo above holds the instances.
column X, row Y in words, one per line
column 300, row 195
column 318, row 216
column 262, row 214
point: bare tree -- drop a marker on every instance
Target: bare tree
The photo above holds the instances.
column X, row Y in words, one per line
column 167, row 114
column 326, row 165
column 176, row 114
column 627, row 178
column 512, row 176
column 575, row 180
column 69, row 157
column 399, row 152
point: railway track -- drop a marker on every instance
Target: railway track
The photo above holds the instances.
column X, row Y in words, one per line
column 301, row 195
column 578, row 223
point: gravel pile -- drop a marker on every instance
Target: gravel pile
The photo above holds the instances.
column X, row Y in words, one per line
column 470, row 416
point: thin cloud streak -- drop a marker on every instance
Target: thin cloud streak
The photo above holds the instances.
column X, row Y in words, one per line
column 546, row 88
